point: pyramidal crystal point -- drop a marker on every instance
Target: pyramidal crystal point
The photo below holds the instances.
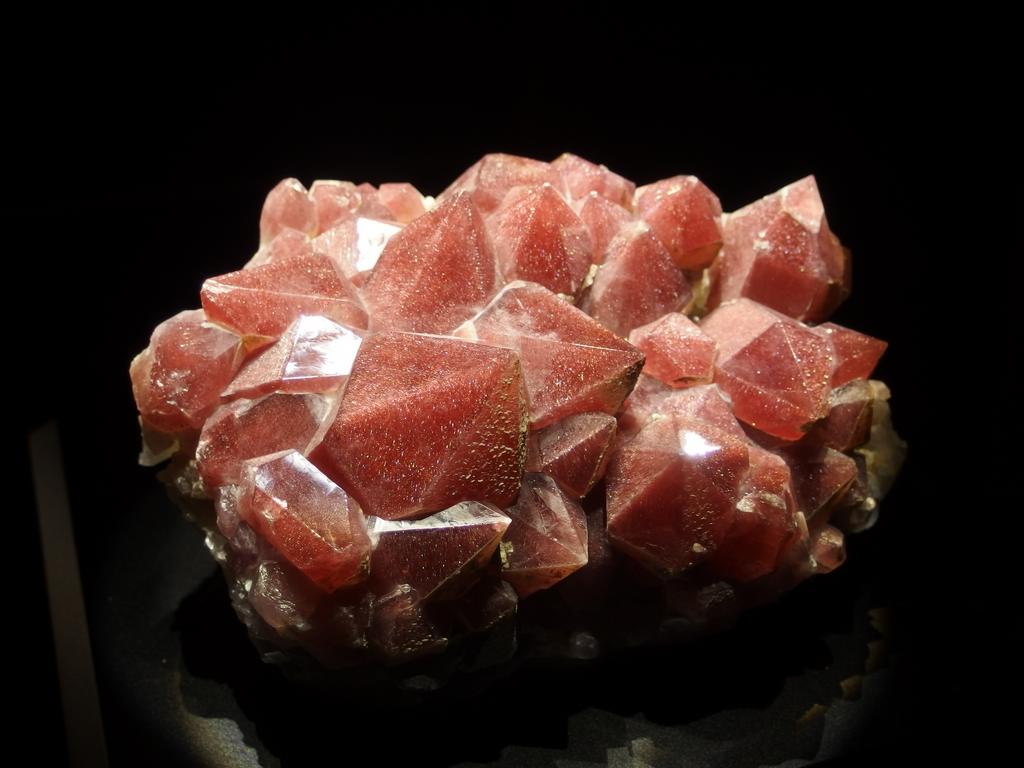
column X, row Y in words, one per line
column 548, row 403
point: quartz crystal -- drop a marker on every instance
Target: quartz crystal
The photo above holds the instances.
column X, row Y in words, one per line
column 433, row 553
column 685, row 215
column 572, row 363
column 425, row 422
column 537, row 237
column 434, row 273
column 308, row 519
column 637, row 283
column 547, row 539
column 573, row 451
column 780, row 252
column 549, row 406
column 265, row 300
column 678, row 352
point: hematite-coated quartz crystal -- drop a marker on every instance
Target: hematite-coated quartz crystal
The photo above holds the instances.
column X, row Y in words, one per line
column 549, row 408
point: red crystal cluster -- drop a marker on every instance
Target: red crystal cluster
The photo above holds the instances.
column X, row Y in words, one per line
column 409, row 415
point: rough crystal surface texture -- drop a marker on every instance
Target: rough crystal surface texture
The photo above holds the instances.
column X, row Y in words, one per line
column 549, row 401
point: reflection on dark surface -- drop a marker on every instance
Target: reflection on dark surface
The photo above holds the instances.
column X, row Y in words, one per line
column 735, row 699
column 533, row 708
column 180, row 682
column 179, row 668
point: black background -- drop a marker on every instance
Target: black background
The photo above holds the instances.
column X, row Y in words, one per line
column 137, row 168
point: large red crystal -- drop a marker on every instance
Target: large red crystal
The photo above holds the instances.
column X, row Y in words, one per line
column 537, row 237
column 672, row 488
column 305, row 517
column 572, row 363
column 265, row 300
column 776, row 370
column 780, row 251
column 434, row 273
column 425, row 422
column 408, row 416
column 179, row 376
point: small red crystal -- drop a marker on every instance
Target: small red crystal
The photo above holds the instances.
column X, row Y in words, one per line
column 583, row 178
column 493, row 176
column 403, row 200
column 248, row 429
column 178, row 378
column 307, row 518
column 603, row 220
column 547, row 539
column 314, row 355
column 355, row 245
column 776, row 370
column 638, row 282
column 573, row 451
column 685, row 215
column 287, row 206
column 678, row 352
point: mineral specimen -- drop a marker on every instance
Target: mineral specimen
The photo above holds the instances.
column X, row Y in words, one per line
column 549, row 406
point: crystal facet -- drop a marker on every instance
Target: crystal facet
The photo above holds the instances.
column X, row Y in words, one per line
column 287, row 206
column 435, row 273
column 435, row 553
column 265, row 300
column 305, row 517
column 426, row 422
column 777, row 371
column 248, row 429
column 572, row 363
column 547, row 539
column 780, row 252
column 678, row 352
column 314, row 355
column 686, row 217
column 603, row 220
column 672, row 488
column 573, row 451
column 537, row 237
column 637, row 283
column 355, row 245
column 490, row 179
column 582, row 177
column 178, row 378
